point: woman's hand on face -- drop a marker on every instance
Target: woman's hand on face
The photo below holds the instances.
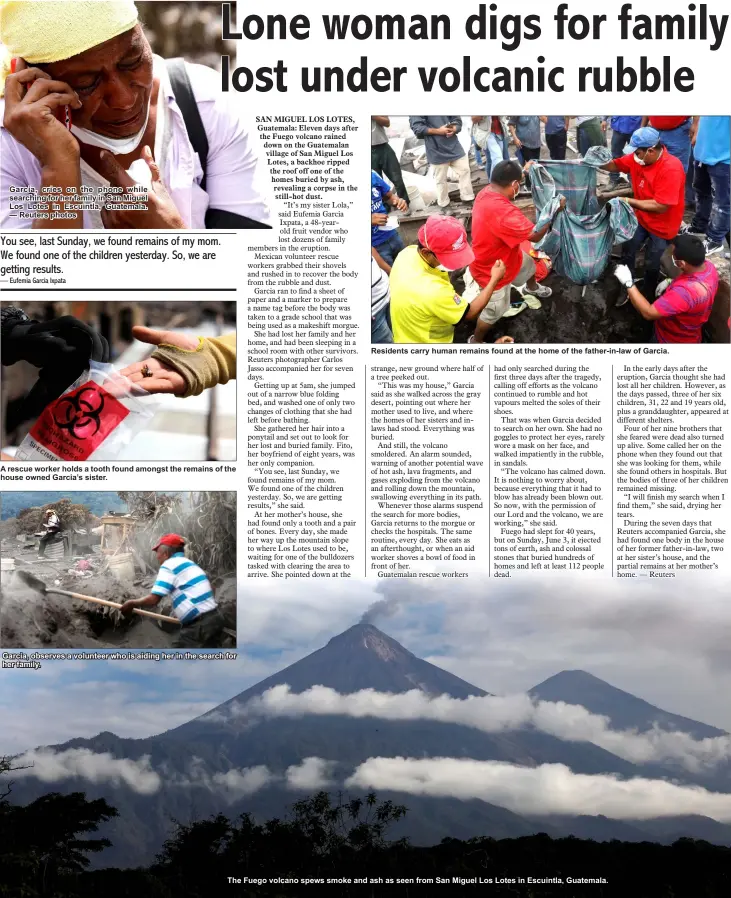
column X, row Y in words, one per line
column 161, row 212
column 32, row 101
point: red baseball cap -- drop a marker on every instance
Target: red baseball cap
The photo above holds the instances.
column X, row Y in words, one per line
column 447, row 239
column 170, row 539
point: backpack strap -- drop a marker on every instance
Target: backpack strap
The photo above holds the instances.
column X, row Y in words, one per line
column 183, row 91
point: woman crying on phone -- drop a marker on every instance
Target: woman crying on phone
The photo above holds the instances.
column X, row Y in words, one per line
column 98, row 132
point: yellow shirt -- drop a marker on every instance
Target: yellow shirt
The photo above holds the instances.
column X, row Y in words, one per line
column 424, row 306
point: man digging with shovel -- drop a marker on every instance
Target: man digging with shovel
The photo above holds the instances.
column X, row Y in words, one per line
column 201, row 624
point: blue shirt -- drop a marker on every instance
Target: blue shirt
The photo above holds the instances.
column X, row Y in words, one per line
column 555, row 124
column 625, row 124
column 528, row 129
column 713, row 140
column 438, row 149
column 187, row 585
column 379, row 189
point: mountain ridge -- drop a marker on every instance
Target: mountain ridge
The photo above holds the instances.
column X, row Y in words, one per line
column 362, row 657
column 625, row 710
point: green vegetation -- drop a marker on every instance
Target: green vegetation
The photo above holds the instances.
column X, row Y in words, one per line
column 42, row 853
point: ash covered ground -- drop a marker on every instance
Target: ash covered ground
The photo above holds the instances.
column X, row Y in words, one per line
column 31, row 620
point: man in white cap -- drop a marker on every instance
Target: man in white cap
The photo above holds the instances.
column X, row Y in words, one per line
column 658, row 184
column 88, row 105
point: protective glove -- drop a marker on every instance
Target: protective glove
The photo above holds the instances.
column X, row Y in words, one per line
column 59, row 344
column 624, row 275
column 61, row 348
column 662, row 287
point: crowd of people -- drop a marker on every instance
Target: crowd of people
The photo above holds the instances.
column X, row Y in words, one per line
column 661, row 165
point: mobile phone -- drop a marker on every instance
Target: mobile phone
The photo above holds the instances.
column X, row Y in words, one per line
column 66, row 109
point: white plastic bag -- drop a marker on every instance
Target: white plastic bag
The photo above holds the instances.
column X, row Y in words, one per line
column 425, row 185
column 93, row 420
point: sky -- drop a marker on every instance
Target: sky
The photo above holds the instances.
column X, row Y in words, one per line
column 667, row 642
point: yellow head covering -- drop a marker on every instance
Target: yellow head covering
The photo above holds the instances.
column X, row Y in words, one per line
column 41, row 31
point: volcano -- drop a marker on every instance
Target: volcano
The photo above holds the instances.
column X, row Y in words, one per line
column 362, row 657
column 223, row 740
column 626, row 711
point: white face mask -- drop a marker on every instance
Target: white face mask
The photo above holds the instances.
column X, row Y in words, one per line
column 118, row 146
column 638, row 160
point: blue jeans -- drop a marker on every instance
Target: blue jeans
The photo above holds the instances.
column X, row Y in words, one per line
column 380, row 331
column 619, row 141
column 656, row 246
column 496, row 150
column 478, row 153
column 390, row 248
column 689, row 192
column 678, row 142
column 711, row 185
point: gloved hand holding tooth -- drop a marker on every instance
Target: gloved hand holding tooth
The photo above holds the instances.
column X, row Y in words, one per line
column 624, row 275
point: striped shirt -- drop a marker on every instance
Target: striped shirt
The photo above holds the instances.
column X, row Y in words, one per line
column 686, row 306
column 380, row 294
column 188, row 586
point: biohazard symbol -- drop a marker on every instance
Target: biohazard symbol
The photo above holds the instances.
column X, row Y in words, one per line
column 80, row 413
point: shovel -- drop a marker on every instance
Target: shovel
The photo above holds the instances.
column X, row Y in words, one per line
column 39, row 586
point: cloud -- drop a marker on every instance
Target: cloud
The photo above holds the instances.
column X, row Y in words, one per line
column 96, row 767
column 547, row 789
column 311, row 773
column 641, row 635
column 232, row 784
column 57, row 704
column 51, row 766
column 494, row 714
column 244, row 781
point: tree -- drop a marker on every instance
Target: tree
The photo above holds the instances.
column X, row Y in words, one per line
column 40, row 845
column 195, row 855
column 321, row 836
column 6, row 766
column 350, row 825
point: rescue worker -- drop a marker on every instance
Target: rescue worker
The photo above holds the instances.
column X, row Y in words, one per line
column 658, row 184
column 201, row 623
